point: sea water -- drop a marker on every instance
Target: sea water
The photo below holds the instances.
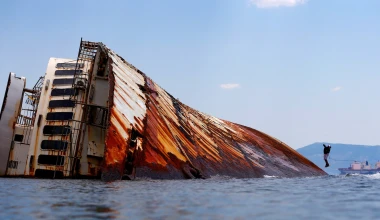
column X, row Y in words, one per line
column 327, row 197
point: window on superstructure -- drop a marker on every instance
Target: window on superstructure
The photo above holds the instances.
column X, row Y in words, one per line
column 59, row 116
column 53, row 145
column 70, row 65
column 62, row 92
column 61, row 104
column 18, row 137
column 65, row 81
column 56, row 130
column 48, row 174
column 67, row 72
column 51, row 160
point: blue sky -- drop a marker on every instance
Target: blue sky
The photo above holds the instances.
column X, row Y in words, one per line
column 300, row 70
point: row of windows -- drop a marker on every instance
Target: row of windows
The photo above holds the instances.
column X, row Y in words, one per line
column 58, row 116
column 50, row 129
column 46, row 144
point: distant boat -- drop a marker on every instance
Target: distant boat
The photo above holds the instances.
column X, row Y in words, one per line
column 360, row 168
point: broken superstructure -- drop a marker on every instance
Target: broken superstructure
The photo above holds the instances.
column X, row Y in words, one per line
column 98, row 116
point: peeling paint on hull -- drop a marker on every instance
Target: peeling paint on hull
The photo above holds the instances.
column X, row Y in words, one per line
column 180, row 142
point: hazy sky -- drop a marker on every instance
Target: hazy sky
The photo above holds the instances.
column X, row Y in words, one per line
column 302, row 71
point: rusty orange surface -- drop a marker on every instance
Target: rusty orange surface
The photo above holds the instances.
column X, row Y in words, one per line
column 181, row 142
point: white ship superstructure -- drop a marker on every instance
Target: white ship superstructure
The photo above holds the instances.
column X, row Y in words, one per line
column 43, row 130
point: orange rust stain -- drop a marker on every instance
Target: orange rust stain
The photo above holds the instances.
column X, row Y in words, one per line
column 116, row 142
column 175, row 135
column 159, row 135
column 152, row 157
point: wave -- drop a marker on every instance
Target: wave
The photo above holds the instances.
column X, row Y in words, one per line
column 373, row 176
column 268, row 176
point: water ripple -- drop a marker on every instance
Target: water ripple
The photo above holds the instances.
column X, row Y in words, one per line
column 329, row 197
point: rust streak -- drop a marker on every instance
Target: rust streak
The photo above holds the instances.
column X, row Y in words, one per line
column 181, row 142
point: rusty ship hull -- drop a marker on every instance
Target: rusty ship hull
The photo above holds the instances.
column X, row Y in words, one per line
column 118, row 123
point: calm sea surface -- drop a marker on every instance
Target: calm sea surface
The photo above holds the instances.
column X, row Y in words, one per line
column 329, row 197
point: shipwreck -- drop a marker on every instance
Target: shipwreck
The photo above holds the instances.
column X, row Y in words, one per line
column 98, row 116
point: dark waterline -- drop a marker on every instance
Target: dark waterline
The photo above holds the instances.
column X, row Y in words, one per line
column 328, row 197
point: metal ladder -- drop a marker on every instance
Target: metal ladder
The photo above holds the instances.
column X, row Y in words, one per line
column 74, row 136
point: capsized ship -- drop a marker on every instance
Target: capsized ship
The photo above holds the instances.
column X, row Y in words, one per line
column 98, row 116
column 360, row 168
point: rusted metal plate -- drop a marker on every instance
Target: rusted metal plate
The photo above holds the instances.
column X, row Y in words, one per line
column 127, row 111
column 180, row 142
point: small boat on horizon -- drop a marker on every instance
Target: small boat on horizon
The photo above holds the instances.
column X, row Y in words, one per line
column 360, row 168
